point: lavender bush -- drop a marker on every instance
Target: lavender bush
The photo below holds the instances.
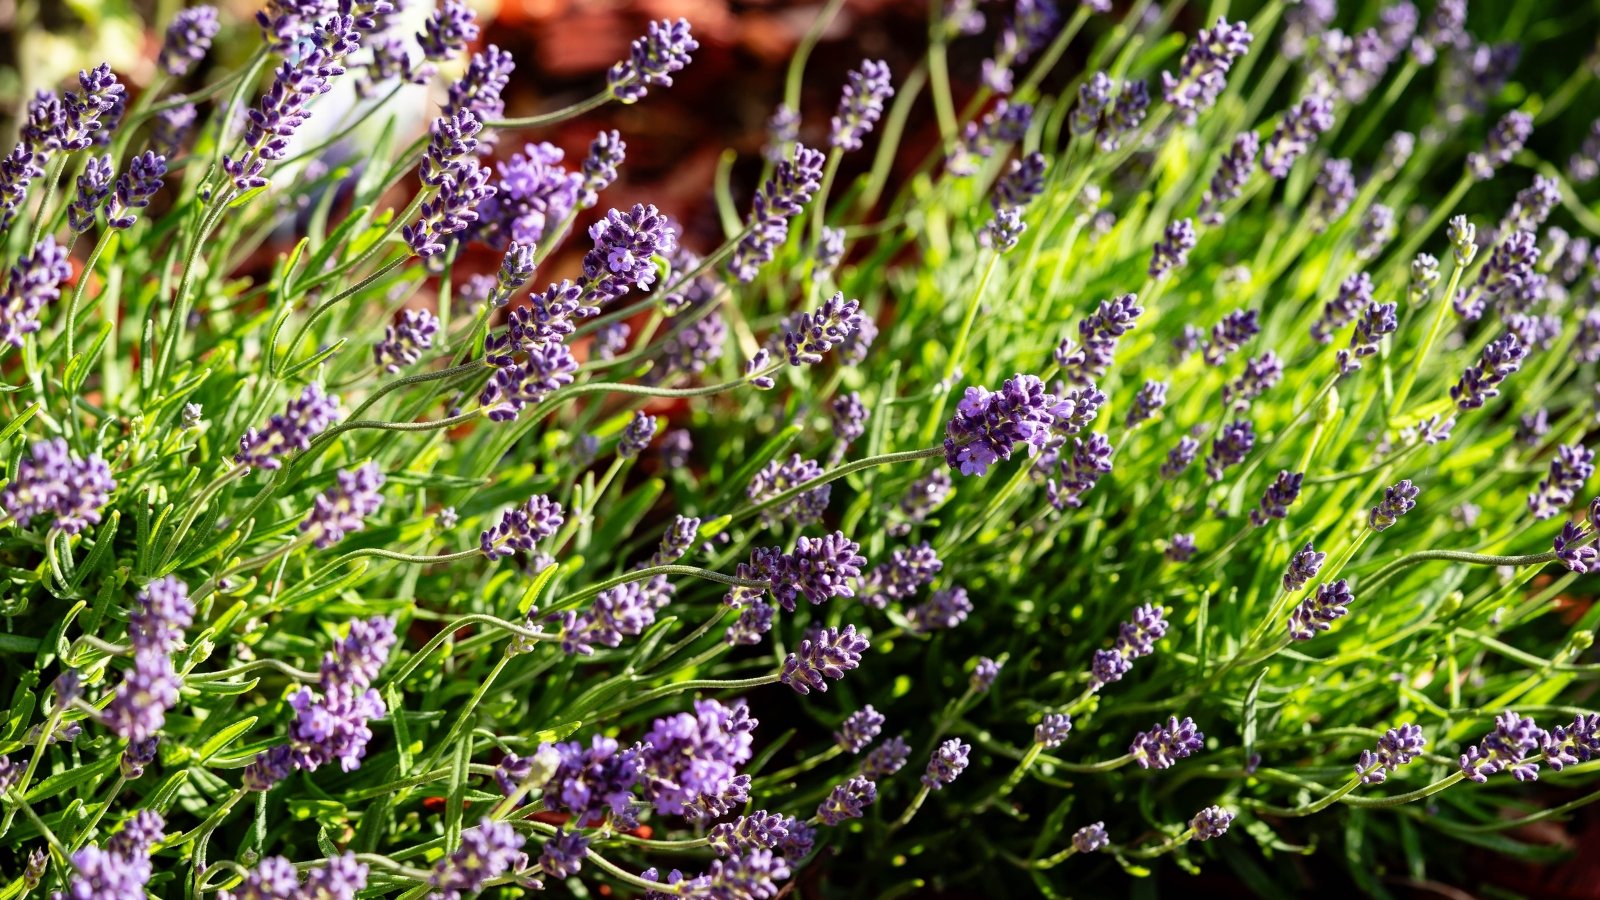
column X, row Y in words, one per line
column 1153, row 476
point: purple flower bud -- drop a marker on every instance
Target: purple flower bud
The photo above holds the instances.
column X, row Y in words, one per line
column 1481, row 382
column 754, row 621
column 404, row 341
column 606, row 153
column 549, row 367
column 343, row 508
column 1165, row 744
column 848, row 800
column 1021, row 182
column 783, row 197
column 949, row 760
column 522, row 527
column 987, row 427
column 908, row 569
column 1151, row 398
column 624, row 247
column 1090, row 838
column 817, row 332
column 188, row 38
column 1515, row 745
column 984, row 674
column 1319, row 611
column 1203, row 72
column 1300, row 126
column 1180, row 457
column 886, row 759
column 779, row 476
column 1259, row 376
column 637, row 436
column 945, row 609
column 1573, row 550
column 859, row 729
column 1172, row 251
column 1280, row 495
column 1052, row 730
column 486, row 852
column 478, row 89
column 1303, row 567
column 829, row 655
column 54, row 482
column 1230, row 447
column 1377, row 320
column 290, row 431
column 1336, row 190
column 1003, row 230
column 1397, row 747
column 448, row 31
column 1211, row 822
column 664, row 48
column 135, row 188
column 861, row 104
column 1570, row 469
column 94, row 186
column 1230, row 178
column 1135, row 638
column 1355, row 295
column 1505, row 139
column 1180, row 548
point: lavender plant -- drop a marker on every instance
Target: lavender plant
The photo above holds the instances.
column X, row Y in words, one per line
column 363, row 573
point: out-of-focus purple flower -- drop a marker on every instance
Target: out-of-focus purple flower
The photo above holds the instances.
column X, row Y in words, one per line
column 1584, row 166
column 1006, row 123
column 478, row 89
column 849, row 417
column 164, row 611
column 760, row 830
column 1505, row 139
column 52, row 481
column 793, row 183
column 1259, row 376
column 1165, row 744
column 304, row 418
column 636, row 437
column 1299, row 128
column 675, row 448
column 861, row 104
column 886, row 759
column 23, row 164
column 1172, row 251
column 592, row 781
column 1397, row 747
column 859, row 729
column 534, row 196
column 1336, row 189
column 1151, row 398
column 1355, row 295
column 1003, row 230
column 1303, row 567
column 1377, row 320
column 343, row 508
column 1510, row 269
column 486, row 852
column 1229, row 448
column 1052, row 730
column 1180, row 457
column 1533, row 206
column 1135, row 638
column 1444, row 30
column 848, row 800
column 922, row 499
column 1515, row 745
column 1319, row 611
column 689, row 756
column 783, row 129
column 987, row 427
column 1203, row 72
column 1124, row 115
column 754, row 621
column 1481, row 382
column 1350, row 64
column 1424, row 278
column 339, row 878
column 898, row 579
column 1090, row 838
column 1280, row 495
column 664, row 48
column 1211, row 822
column 1229, row 335
column 944, row 609
column 779, row 476
column 1230, row 178
column 121, row 869
column 984, row 674
column 522, row 527
column 1571, row 467
column 1020, row 183
column 1181, row 547
column 188, row 38
column 830, row 251
column 404, row 341
column 1574, row 551
column 829, row 655
column 1076, row 473
column 949, row 760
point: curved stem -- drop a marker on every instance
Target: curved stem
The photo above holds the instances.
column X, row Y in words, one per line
column 650, row 572
column 559, row 115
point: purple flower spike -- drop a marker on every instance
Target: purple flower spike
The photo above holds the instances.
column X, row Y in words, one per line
column 1355, row 295
column 1021, row 182
column 188, row 38
column 1229, row 335
column 94, row 186
column 1569, row 471
column 829, row 655
column 522, row 527
column 1003, row 230
column 987, row 427
column 448, row 31
column 760, row 830
column 886, row 759
column 479, row 88
column 908, row 569
column 563, row 854
column 135, row 188
column 290, row 431
column 1135, row 638
column 1232, row 174
column 848, row 800
column 1172, row 251
column 1336, row 190
column 818, row 332
column 984, row 674
column 944, row 610
column 1211, row 822
column 1090, row 838
column 1164, row 744
column 1151, row 398
column 343, row 508
column 1515, row 745
column 1303, row 567
column 55, row 483
column 1571, row 549
column 859, row 730
column 1505, row 139
column 1398, row 500
column 793, row 183
column 1280, row 495
column 664, row 48
column 1293, row 137
column 1568, row 745
column 1180, row 457
column 1181, row 547
column 1203, row 72
column 405, row 340
column 1397, row 747
column 593, row 781
column 779, row 476
column 1481, row 382
column 1319, row 611
column 946, row 764
column 1052, row 730
column 624, row 247
column 1377, row 320
column 486, row 852
column 1230, row 448
column 861, row 104
column 606, row 154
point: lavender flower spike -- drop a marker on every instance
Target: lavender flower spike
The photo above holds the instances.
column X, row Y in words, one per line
column 1303, row 567
column 292, row 430
column 343, row 508
column 793, row 183
column 1052, row 730
column 859, row 730
column 1172, row 251
column 1397, row 747
column 1481, row 382
column 861, row 104
column 815, row 333
column 1293, row 137
column 987, row 427
column 1319, row 611
column 665, row 48
column 1203, row 72
column 1135, row 638
column 1280, row 495
column 1211, row 822
column 1572, row 549
column 829, row 655
column 1505, row 139
column 1166, row 743
column 188, row 38
column 34, row 283
column 946, row 764
column 847, row 801
column 54, row 482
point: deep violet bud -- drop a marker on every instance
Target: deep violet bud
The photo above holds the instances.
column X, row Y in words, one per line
column 1166, row 743
column 606, row 153
column 1377, row 320
column 455, row 206
column 1077, row 473
column 849, row 417
column 637, row 436
column 1319, row 611
column 1514, row 746
column 754, row 621
column 1003, row 230
column 949, row 760
column 793, row 183
column 944, row 609
column 23, row 164
column 859, row 729
column 987, row 427
column 1303, row 567
column 592, row 781
column 1229, row 335
column 1570, row 469
column 1533, row 206
column 448, row 31
column 1300, row 126
column 984, row 674
column 1180, row 457
column 624, row 244
column 1211, row 822
column 1505, row 139
column 760, row 830
column 563, row 854
column 848, row 800
column 486, row 852
column 677, row 540
column 1397, row 747
column 522, row 527
column 1203, row 72
column 343, row 508
column 1090, row 838
column 886, row 759
column 1151, row 398
column 1135, row 638
column 1574, row 551
column 54, row 482
column 1052, row 730
column 188, row 38
column 1280, row 495
column 1259, row 376
column 861, row 104
column 121, row 868
column 163, row 612
column 664, row 48
column 94, row 186
column 1568, row 745
column 404, row 341
column 1172, row 251
column 1230, row 447
column 548, row 367
column 815, row 333
column 829, row 655
column 1006, row 123
column 135, row 188
column 779, row 476
column 1125, row 114
column 1354, row 295
column 1180, row 547
column 1480, row 382
column 479, row 87
column 1230, row 178
column 304, row 418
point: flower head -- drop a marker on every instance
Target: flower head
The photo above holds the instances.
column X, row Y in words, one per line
column 1318, row 612
column 664, row 48
column 861, row 104
column 292, row 430
column 1398, row 499
column 1165, row 744
column 1211, row 822
column 828, row 655
column 52, row 481
column 848, row 800
column 1397, row 747
column 949, row 760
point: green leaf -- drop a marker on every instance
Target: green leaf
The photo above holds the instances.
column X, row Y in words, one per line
column 223, row 738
